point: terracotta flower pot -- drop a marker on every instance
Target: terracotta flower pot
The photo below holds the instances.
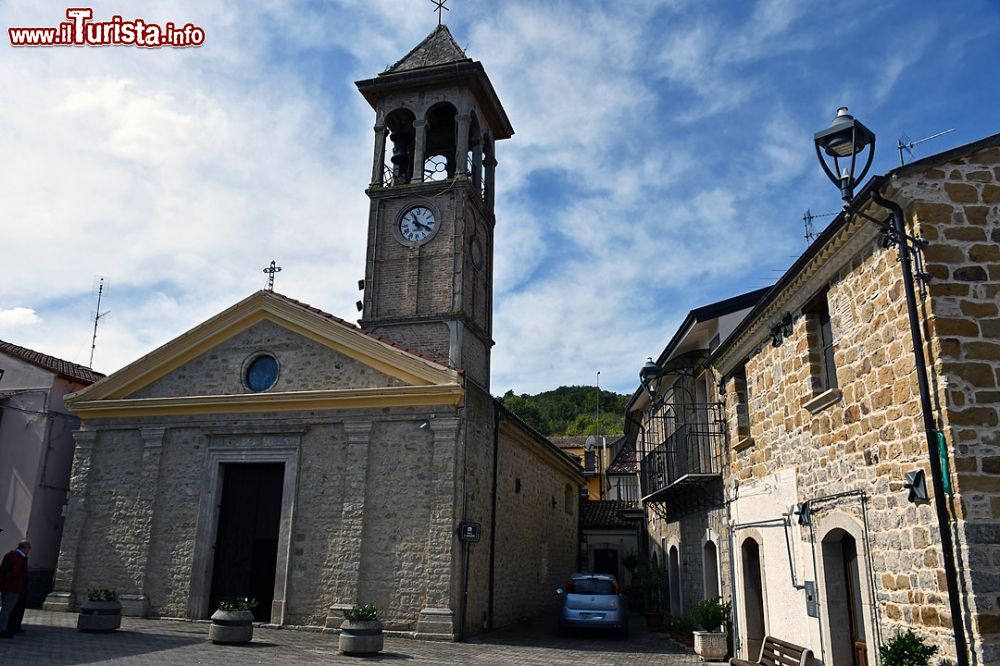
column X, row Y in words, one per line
column 710, row 645
column 361, row 637
column 235, row 626
column 99, row 616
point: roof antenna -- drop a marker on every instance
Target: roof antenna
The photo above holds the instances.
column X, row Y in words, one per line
column 98, row 315
column 807, row 221
column 904, row 143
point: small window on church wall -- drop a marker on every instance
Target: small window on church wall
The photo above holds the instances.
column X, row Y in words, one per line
column 262, row 373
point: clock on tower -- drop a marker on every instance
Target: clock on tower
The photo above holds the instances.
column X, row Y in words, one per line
column 429, row 266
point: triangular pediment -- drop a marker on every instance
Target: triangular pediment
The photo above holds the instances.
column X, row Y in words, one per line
column 438, row 48
column 323, row 361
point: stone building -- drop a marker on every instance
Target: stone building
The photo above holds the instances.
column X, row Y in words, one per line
column 829, row 546
column 677, row 429
column 36, row 452
column 278, row 452
column 832, row 424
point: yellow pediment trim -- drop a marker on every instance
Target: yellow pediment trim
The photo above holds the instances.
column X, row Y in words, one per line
column 290, row 401
column 263, row 305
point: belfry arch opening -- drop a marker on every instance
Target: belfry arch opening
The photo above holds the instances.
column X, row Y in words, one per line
column 440, row 143
column 400, row 147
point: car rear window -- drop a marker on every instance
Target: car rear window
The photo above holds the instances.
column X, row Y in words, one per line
column 593, row 586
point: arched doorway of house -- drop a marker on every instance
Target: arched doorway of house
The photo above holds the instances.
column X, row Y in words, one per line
column 753, row 596
column 842, row 578
column 674, row 576
column 710, row 567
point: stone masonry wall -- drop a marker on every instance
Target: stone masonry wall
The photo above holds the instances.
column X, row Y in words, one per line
column 537, row 537
column 867, row 438
column 872, row 433
column 957, row 209
column 302, row 365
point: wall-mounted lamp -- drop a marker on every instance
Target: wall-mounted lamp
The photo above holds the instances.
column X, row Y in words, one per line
column 359, row 305
column 781, row 330
column 916, row 483
column 361, row 285
column 804, row 513
column 845, row 137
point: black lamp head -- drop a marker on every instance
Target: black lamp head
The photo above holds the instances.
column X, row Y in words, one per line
column 845, row 137
column 650, row 376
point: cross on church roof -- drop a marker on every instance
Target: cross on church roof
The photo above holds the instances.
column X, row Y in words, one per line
column 439, row 5
column 271, row 270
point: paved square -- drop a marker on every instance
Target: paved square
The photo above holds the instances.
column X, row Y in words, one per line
column 52, row 638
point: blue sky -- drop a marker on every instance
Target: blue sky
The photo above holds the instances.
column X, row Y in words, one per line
column 662, row 159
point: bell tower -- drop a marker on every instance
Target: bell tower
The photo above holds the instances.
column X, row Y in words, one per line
column 429, row 267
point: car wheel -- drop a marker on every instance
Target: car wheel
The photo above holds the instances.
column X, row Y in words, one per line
column 561, row 630
column 623, row 633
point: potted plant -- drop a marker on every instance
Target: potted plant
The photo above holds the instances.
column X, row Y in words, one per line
column 906, row 649
column 711, row 615
column 361, row 631
column 101, row 612
column 680, row 628
column 233, row 622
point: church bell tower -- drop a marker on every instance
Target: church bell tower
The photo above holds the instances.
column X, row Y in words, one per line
column 429, row 268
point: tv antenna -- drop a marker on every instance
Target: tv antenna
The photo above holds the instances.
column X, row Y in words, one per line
column 807, row 222
column 904, row 143
column 98, row 315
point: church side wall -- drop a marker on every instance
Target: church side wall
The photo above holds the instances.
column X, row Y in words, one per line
column 537, row 527
column 478, row 507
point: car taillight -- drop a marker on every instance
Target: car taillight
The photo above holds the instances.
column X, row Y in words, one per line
column 569, row 586
column 615, row 588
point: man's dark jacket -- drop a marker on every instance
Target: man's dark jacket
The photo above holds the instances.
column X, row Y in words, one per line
column 14, row 573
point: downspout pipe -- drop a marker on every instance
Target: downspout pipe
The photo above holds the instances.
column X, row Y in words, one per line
column 930, row 429
column 493, row 514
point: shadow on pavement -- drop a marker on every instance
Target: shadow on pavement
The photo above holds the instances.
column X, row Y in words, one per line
column 51, row 645
column 542, row 633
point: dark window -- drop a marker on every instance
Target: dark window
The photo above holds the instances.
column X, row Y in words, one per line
column 589, row 461
column 593, row 586
column 742, row 391
column 821, row 344
column 262, row 373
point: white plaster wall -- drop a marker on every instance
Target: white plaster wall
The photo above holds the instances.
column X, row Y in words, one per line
column 36, row 450
column 785, row 606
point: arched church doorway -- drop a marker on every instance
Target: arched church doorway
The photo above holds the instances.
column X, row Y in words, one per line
column 753, row 596
column 842, row 578
column 246, row 541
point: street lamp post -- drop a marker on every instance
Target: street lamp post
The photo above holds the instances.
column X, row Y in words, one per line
column 847, row 137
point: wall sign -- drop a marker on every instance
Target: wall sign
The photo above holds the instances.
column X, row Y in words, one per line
column 470, row 532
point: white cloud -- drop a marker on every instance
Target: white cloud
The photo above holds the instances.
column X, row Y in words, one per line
column 13, row 318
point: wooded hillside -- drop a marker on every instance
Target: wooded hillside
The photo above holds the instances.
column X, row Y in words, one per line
column 569, row 410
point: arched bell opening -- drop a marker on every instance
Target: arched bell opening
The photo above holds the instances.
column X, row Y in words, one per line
column 475, row 152
column 441, row 143
column 399, row 149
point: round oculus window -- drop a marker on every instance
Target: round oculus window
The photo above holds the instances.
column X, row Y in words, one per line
column 262, row 373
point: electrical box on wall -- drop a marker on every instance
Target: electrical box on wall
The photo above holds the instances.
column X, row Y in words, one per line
column 812, row 600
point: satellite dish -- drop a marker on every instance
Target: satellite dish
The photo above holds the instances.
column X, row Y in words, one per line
column 591, row 443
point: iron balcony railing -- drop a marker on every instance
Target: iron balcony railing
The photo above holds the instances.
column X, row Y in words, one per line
column 690, row 451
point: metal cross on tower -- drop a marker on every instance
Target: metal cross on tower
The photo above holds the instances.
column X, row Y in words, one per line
column 271, row 270
column 439, row 6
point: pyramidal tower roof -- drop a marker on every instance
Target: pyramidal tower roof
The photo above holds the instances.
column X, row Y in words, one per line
column 438, row 48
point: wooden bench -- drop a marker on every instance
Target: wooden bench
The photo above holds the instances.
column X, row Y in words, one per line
column 775, row 652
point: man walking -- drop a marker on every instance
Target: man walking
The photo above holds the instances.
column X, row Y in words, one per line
column 13, row 585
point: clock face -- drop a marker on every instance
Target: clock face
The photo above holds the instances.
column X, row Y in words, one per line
column 417, row 224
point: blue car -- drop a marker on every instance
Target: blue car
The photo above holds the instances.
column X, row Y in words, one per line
column 593, row 601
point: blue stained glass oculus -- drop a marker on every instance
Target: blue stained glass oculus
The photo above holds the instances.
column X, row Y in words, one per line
column 262, row 373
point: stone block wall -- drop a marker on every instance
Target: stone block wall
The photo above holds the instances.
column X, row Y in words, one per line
column 957, row 209
column 868, row 433
column 537, row 527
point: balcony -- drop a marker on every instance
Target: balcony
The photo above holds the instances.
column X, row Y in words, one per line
column 686, row 460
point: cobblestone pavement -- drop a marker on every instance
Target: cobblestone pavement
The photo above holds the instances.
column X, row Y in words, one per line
column 52, row 638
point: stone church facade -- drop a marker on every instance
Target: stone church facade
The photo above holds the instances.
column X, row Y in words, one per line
column 278, row 452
